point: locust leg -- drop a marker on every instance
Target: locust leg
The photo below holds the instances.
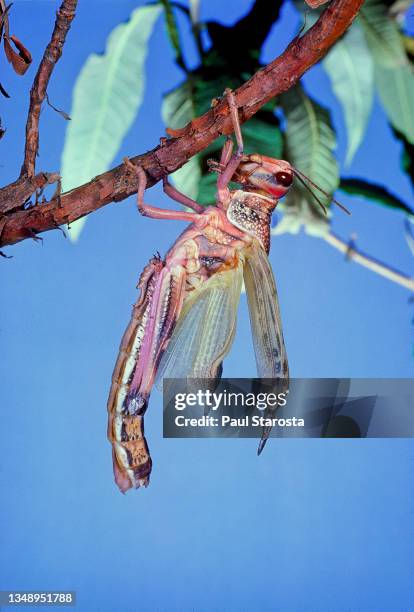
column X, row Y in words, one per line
column 228, row 161
column 153, row 211
column 234, row 114
column 176, row 195
column 226, row 153
column 153, row 318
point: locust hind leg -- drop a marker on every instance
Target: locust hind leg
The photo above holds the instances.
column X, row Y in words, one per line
column 153, row 319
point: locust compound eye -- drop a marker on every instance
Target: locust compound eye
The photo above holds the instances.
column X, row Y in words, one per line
column 284, row 178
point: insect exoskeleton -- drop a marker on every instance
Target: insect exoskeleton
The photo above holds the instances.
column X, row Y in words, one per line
column 184, row 322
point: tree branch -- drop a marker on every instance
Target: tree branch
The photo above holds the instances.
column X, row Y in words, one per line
column 51, row 56
column 119, row 183
column 369, row 262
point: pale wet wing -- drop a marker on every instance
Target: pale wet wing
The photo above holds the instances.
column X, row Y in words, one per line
column 269, row 346
column 205, row 329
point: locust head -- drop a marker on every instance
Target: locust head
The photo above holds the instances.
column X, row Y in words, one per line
column 265, row 175
column 273, row 178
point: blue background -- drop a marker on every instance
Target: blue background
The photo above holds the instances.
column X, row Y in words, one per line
column 311, row 524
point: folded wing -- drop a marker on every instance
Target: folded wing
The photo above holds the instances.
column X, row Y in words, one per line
column 269, row 346
column 205, row 329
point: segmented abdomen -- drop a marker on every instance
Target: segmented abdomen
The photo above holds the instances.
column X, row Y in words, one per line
column 131, row 458
column 153, row 318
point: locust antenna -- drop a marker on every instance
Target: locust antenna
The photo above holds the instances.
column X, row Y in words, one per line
column 302, row 177
column 305, row 184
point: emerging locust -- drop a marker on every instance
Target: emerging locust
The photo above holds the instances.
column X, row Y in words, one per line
column 184, row 321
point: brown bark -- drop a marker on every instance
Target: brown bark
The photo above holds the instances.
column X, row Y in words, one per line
column 14, row 195
column 51, row 56
column 119, row 183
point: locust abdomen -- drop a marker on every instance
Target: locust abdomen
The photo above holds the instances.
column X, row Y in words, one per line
column 153, row 318
column 131, row 459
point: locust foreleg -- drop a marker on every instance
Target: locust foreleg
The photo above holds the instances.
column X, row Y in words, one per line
column 230, row 162
column 153, row 211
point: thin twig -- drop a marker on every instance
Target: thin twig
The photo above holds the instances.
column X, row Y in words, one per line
column 50, row 57
column 376, row 266
column 119, row 183
column 57, row 110
column 4, row 21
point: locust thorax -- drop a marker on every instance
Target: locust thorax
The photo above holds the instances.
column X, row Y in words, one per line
column 264, row 175
column 264, row 181
column 251, row 212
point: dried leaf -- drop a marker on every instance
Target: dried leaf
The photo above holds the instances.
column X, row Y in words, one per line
column 4, row 23
column 21, row 60
column 4, row 92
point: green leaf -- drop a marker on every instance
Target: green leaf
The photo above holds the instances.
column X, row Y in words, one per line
column 398, row 8
column 408, row 42
column 396, row 90
column 394, row 75
column 262, row 135
column 382, row 34
column 310, row 142
column 106, row 98
column 374, row 193
column 351, row 70
column 177, row 110
column 407, row 156
column 177, row 107
column 173, row 33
